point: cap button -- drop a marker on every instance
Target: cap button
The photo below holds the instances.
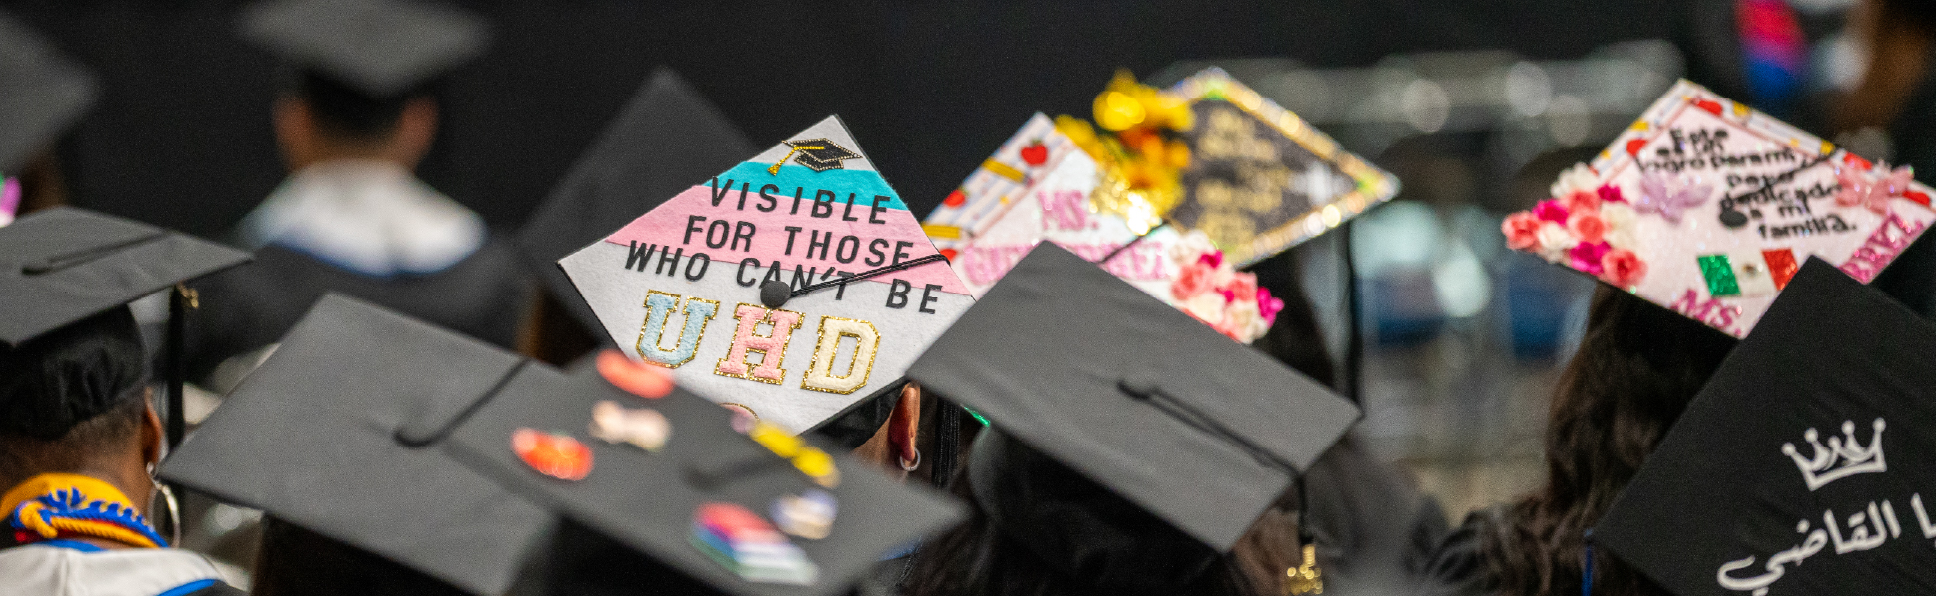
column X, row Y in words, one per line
column 774, row 294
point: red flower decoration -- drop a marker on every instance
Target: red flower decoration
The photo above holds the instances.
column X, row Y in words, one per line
column 1590, row 227
column 1611, row 194
column 1622, row 268
column 1581, row 201
column 1551, row 210
column 1521, row 230
column 1587, row 257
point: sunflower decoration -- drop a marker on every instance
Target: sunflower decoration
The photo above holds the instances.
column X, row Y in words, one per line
column 1139, row 150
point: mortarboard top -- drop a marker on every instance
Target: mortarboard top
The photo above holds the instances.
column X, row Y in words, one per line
column 682, row 285
column 665, row 139
column 64, row 264
column 1708, row 207
column 46, row 93
column 651, row 501
column 997, row 185
column 379, row 47
column 1797, row 469
column 1005, row 210
column 325, row 435
column 1260, row 179
column 1135, row 395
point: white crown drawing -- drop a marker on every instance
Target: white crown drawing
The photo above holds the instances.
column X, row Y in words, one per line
column 1843, row 457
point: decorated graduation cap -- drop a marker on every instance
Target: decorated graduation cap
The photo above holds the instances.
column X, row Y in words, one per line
column 46, row 93
column 64, row 265
column 1708, row 207
column 338, row 432
column 1796, row 470
column 1261, row 180
column 1139, row 399
column 1185, row 186
column 792, row 285
column 742, row 507
column 665, row 138
column 382, row 48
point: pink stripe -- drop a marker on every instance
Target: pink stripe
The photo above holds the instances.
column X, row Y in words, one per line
column 667, row 226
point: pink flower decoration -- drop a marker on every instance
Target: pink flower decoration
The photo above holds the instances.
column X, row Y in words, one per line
column 1581, row 202
column 1622, row 268
column 1587, row 256
column 1590, row 227
column 1268, row 306
column 1611, row 194
column 1242, row 286
column 1192, row 279
column 1550, row 210
column 1521, row 230
column 1213, row 258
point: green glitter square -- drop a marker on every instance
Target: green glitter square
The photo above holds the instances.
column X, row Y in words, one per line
column 1719, row 274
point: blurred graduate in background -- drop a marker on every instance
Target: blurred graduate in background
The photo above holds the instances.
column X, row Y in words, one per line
column 46, row 93
column 356, row 114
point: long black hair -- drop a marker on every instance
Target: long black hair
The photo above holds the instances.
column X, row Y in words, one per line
column 1637, row 367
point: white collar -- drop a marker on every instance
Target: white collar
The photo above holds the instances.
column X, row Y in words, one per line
column 368, row 216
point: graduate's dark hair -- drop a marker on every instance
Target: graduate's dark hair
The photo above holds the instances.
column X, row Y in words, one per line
column 295, row 561
column 70, row 394
column 1637, row 367
column 346, row 113
column 986, row 557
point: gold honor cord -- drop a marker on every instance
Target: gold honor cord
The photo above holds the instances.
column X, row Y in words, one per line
column 775, row 170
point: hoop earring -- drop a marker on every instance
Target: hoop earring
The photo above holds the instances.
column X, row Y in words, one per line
column 911, row 466
column 173, row 506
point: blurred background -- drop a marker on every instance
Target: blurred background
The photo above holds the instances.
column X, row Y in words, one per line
column 1475, row 104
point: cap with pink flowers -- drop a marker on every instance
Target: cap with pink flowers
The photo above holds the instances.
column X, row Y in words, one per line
column 1707, row 207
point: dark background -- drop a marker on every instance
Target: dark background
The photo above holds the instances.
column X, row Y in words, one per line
column 182, row 136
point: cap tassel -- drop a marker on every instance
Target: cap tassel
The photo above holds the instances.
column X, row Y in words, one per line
column 1305, row 578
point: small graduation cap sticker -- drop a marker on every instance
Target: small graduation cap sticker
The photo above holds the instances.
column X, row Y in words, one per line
column 1799, row 468
column 793, row 288
column 1708, row 207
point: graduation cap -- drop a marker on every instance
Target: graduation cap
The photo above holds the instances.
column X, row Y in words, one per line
column 791, row 291
column 382, row 48
column 1004, row 219
column 763, row 513
column 997, row 184
column 46, row 93
column 665, row 139
column 820, row 154
column 1708, row 207
column 1260, row 179
column 1135, row 396
column 328, row 434
column 1796, row 469
column 62, row 265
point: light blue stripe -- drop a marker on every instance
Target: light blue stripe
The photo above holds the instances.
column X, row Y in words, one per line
column 862, row 184
column 189, row 588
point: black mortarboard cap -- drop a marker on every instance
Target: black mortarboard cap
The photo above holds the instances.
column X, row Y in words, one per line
column 379, row 47
column 64, row 264
column 1797, row 469
column 329, row 434
column 666, row 139
column 1140, row 398
column 45, row 92
column 649, row 501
